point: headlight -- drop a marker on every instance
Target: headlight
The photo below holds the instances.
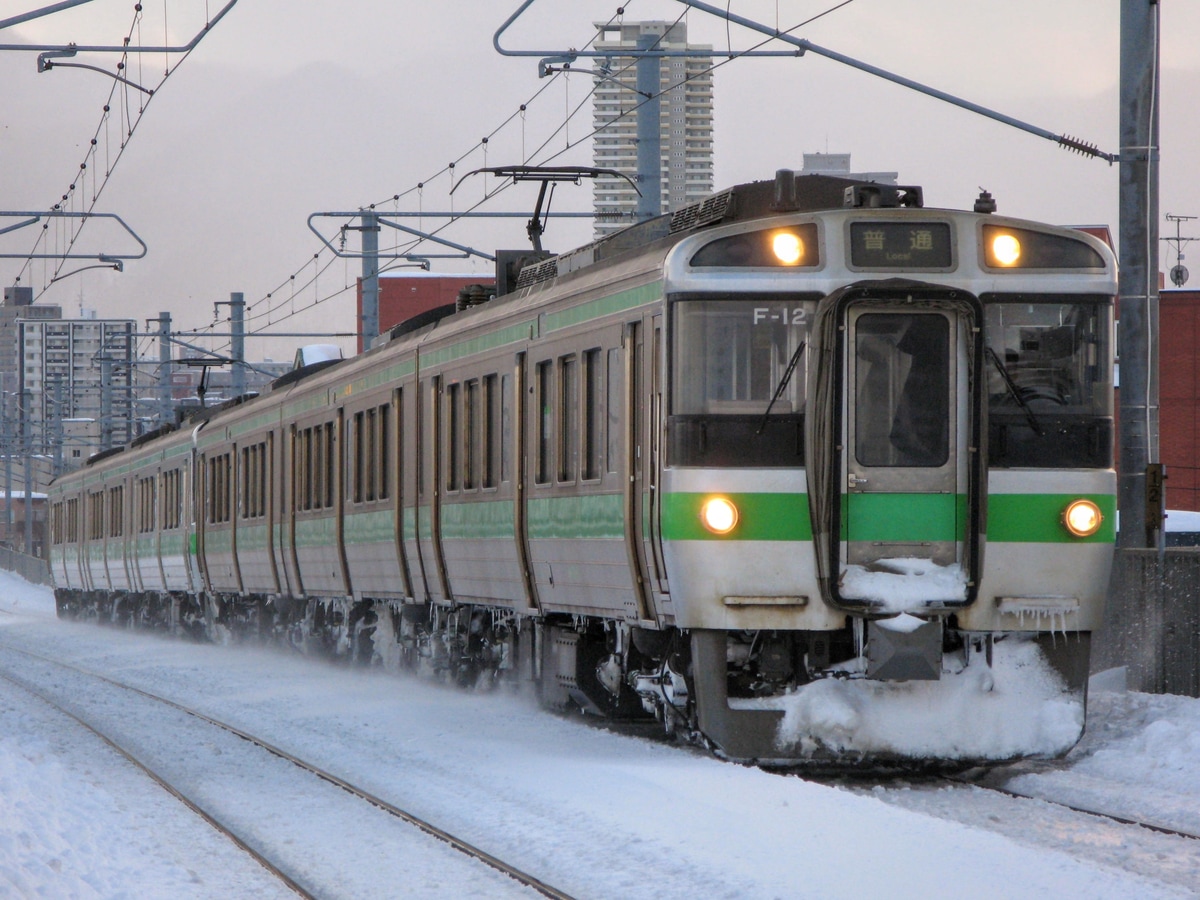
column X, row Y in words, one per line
column 1006, row 249
column 1082, row 518
column 719, row 515
column 788, row 247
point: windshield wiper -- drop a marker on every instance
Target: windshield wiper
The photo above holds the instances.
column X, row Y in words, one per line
column 1015, row 393
column 783, row 383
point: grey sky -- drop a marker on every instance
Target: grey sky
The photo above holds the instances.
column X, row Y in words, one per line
column 286, row 109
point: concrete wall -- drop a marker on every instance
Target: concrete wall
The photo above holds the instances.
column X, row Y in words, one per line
column 31, row 568
column 1152, row 624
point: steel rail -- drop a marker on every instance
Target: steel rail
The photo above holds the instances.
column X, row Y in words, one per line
column 432, row 830
column 1100, row 814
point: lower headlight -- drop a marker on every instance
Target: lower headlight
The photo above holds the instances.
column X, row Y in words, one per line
column 1082, row 518
column 719, row 515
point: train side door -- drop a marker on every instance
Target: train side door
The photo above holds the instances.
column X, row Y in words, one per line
column 636, row 418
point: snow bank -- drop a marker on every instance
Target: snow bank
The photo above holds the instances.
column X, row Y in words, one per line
column 1016, row 707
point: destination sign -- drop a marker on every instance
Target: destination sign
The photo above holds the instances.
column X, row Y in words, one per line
column 900, row 245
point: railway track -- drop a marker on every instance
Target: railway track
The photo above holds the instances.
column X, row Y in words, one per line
column 993, row 780
column 162, row 782
column 232, row 832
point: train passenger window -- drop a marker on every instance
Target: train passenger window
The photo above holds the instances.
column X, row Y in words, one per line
column 453, row 436
column 73, row 520
column 613, row 401
column 592, row 373
column 506, row 426
column 568, row 417
column 491, row 431
column 472, row 433
column 729, row 356
column 544, row 399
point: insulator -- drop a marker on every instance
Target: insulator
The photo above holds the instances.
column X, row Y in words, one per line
column 1078, row 146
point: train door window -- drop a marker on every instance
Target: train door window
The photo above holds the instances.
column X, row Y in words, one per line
column 472, row 434
column 146, row 505
column 592, row 373
column 902, row 391
column 299, row 468
column 264, row 478
column 116, row 511
column 568, row 417
column 371, row 454
column 95, row 510
column 246, row 479
column 330, row 471
column 453, row 437
column 218, row 486
column 357, row 457
column 506, row 427
column 172, row 499
column 613, row 408
column 491, row 432
column 544, row 400
column 73, row 521
column 385, row 451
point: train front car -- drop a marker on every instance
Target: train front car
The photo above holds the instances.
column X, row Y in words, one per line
column 887, row 502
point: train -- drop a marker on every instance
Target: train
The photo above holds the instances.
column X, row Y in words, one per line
column 808, row 472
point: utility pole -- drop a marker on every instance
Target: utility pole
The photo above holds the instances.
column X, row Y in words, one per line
column 237, row 341
column 27, row 450
column 9, row 445
column 370, row 277
column 649, row 129
column 57, row 427
column 1137, row 287
column 164, row 368
column 106, row 425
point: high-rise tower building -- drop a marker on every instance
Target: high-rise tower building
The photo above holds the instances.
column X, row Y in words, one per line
column 685, row 120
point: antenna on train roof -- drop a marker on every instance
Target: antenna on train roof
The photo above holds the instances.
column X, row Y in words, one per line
column 547, row 175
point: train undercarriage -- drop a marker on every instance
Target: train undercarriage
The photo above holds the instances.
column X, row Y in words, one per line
column 726, row 690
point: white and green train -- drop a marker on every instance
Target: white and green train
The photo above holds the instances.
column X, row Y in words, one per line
column 807, row 471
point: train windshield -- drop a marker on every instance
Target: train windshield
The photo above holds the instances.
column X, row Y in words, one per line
column 730, row 356
column 1050, row 358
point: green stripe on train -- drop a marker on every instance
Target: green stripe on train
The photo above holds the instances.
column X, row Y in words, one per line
column 761, row 517
column 1032, row 518
column 1037, row 518
column 589, row 517
column 903, row 517
column 477, row 521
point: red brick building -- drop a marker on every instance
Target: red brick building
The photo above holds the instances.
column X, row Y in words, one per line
column 1179, row 395
column 403, row 296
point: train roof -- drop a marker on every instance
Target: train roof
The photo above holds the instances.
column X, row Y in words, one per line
column 788, row 192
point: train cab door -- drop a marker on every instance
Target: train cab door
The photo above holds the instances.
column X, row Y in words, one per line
column 907, row 467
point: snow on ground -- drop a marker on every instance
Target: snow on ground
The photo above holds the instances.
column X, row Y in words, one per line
column 594, row 813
